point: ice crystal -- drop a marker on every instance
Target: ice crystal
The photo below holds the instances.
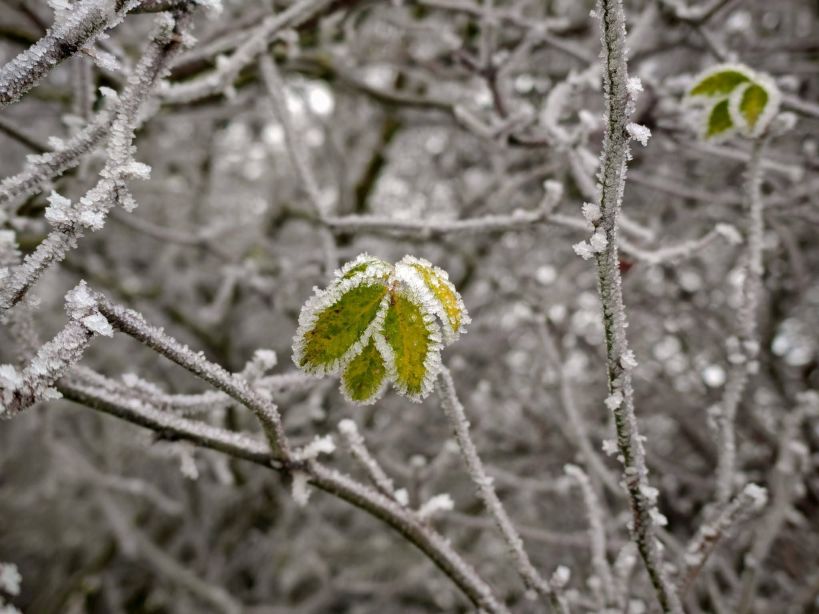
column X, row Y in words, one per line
column 639, row 133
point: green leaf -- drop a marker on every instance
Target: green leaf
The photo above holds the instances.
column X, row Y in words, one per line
column 363, row 379
column 719, row 81
column 410, row 343
column 751, row 104
column 448, row 305
column 336, row 324
column 719, row 120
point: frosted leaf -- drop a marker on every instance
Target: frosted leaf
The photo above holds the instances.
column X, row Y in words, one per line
column 435, row 505
column 378, row 323
column 97, row 323
column 614, row 400
column 432, row 286
column 336, row 324
column 639, row 133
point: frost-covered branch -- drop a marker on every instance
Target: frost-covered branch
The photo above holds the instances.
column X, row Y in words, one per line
column 44, row 167
column 486, row 491
column 299, row 158
column 747, row 503
column 133, row 324
column 435, row 228
column 253, row 43
column 597, row 535
column 78, row 28
column 242, row 446
column 376, row 474
column 70, row 222
column 743, row 351
column 20, row 389
column 791, row 461
column 619, row 358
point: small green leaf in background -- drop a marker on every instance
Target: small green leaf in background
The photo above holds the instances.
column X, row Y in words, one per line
column 719, row 81
column 719, row 120
column 362, row 380
column 412, row 345
column 736, row 97
column 333, row 326
column 752, row 102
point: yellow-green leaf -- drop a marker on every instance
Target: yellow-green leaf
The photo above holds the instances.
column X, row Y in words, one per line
column 449, row 307
column 752, row 103
column 335, row 325
column 719, row 120
column 362, row 380
column 410, row 342
column 719, row 82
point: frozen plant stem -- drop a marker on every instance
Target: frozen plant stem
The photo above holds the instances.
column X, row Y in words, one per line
column 486, row 491
column 744, row 358
column 78, row 28
column 619, row 359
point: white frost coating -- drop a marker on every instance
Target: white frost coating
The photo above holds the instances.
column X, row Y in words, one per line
column 59, row 212
column 583, row 249
column 614, row 400
column 402, row 496
column 300, row 488
column 634, row 87
column 729, row 233
column 628, row 360
column 435, row 505
column 10, row 578
column 639, row 133
column 97, row 323
column 591, row 212
column 324, row 299
column 319, row 445
column 375, row 266
column 598, row 240
column 405, row 272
